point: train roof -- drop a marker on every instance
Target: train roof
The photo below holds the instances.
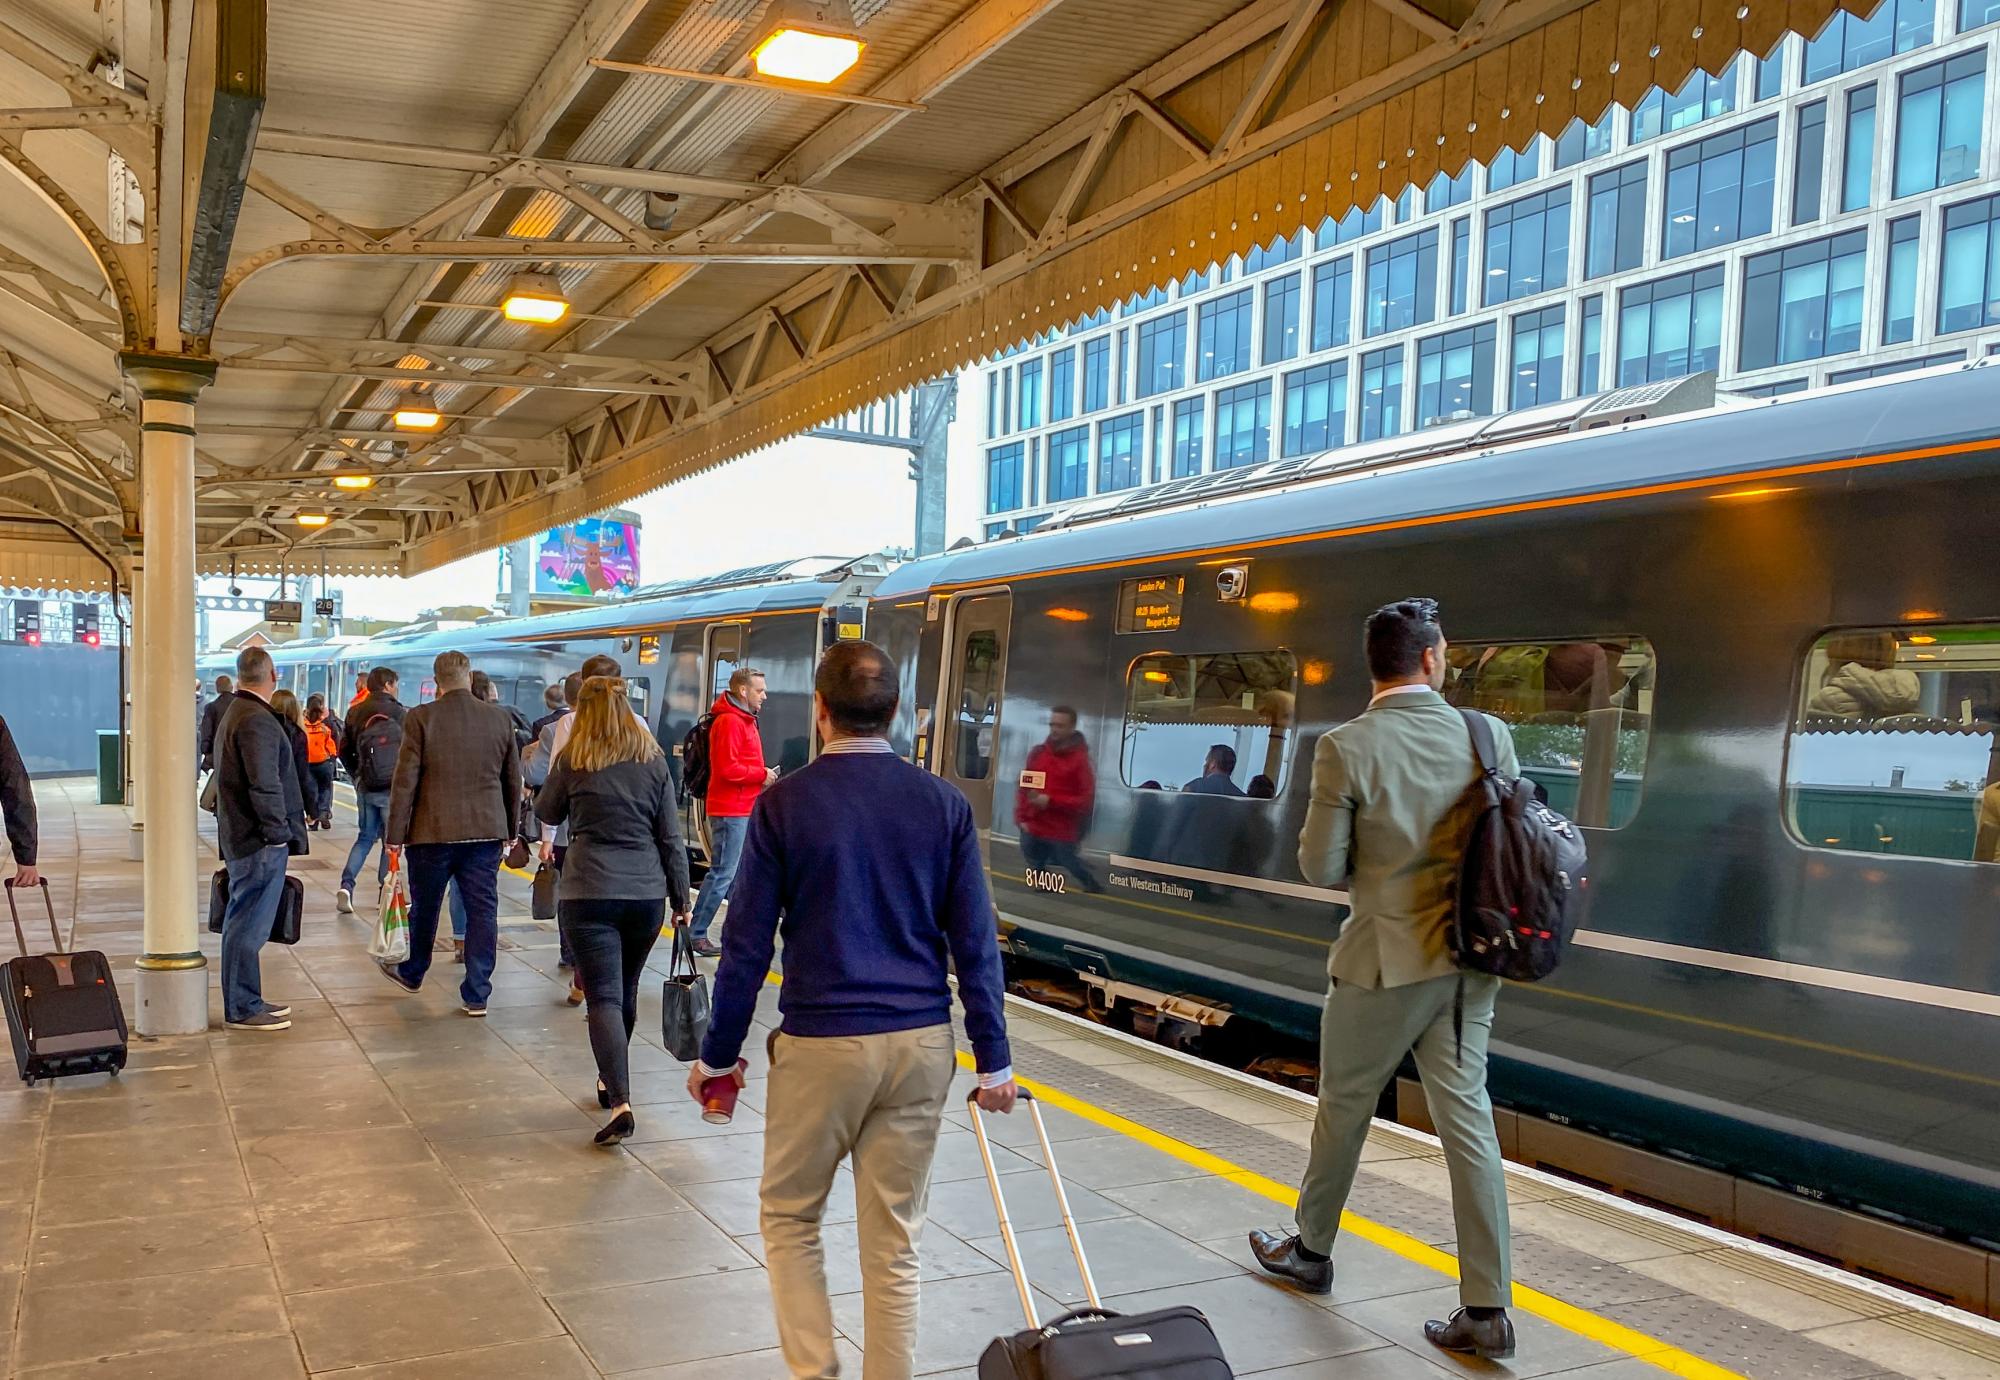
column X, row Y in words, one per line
column 1526, row 459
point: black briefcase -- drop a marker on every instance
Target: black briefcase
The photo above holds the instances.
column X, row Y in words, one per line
column 285, row 925
column 1092, row 1343
column 63, row 1012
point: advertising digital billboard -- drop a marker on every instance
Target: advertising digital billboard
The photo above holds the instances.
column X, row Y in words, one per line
column 595, row 558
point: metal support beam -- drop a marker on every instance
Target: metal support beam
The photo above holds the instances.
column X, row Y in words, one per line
column 784, row 88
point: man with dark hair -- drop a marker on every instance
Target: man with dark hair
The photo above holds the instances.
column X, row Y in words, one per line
column 458, row 779
column 736, row 773
column 1053, row 811
column 1217, row 773
column 1388, row 821
column 260, row 820
column 870, row 867
column 211, row 718
column 380, row 715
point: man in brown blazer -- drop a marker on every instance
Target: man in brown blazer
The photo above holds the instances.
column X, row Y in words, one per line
column 452, row 809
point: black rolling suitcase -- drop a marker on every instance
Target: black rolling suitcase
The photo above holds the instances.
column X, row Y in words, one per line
column 1091, row 1343
column 62, row 1008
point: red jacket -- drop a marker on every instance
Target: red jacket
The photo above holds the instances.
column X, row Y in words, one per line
column 1069, row 785
column 735, row 759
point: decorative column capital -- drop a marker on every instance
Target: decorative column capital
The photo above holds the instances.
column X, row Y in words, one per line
column 167, row 378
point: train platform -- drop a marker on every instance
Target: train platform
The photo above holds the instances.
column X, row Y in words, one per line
column 390, row 1190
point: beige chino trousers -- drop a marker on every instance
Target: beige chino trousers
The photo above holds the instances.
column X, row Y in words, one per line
column 878, row 1098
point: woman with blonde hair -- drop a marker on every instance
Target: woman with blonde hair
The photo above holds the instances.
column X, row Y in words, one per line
column 626, row 864
column 286, row 706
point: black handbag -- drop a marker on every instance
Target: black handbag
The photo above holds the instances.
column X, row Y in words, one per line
column 544, row 892
column 1092, row 1343
column 684, row 1005
column 285, row 925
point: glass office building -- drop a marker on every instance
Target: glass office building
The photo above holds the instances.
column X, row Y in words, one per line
column 1827, row 212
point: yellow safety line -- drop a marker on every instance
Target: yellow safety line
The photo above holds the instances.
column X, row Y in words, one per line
column 1567, row 1316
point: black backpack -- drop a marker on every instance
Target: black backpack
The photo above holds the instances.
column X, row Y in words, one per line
column 375, row 750
column 1521, row 876
column 694, row 759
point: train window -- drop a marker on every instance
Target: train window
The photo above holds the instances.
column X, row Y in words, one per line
column 1895, row 747
column 1580, row 714
column 1213, row 723
column 978, row 704
column 639, row 693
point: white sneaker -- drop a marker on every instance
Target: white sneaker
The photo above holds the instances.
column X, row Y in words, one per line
column 343, row 901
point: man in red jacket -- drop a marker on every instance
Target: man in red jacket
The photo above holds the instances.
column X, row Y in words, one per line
column 736, row 773
column 1053, row 813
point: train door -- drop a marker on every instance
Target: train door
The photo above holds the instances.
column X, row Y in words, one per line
column 846, row 622
column 969, row 703
column 724, row 655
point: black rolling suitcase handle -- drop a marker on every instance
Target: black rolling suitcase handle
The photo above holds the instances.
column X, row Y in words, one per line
column 15, row 911
column 1014, row 1261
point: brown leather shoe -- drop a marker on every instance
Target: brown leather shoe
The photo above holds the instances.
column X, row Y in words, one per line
column 1490, row 1339
column 458, row 951
column 575, row 997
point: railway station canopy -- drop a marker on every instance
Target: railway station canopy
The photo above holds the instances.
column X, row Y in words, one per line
column 465, row 269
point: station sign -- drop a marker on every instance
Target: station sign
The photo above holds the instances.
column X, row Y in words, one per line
column 322, row 608
column 283, row 611
column 1151, row 603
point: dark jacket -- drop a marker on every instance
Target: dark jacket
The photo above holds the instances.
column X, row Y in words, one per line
column 523, row 734
column 17, row 799
column 359, row 713
column 624, row 832
column 296, row 736
column 871, row 866
column 211, row 719
column 259, row 800
column 458, row 776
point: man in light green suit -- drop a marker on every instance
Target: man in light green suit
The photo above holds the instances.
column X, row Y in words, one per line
column 1387, row 822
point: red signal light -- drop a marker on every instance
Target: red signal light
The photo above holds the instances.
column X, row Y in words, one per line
column 91, row 639
column 33, row 639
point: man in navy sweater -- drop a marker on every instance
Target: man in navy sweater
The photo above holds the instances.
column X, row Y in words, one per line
column 870, row 867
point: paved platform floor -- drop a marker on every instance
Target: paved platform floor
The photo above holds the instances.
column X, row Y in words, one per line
column 393, row 1190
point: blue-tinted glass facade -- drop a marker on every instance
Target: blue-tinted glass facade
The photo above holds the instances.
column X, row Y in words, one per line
column 1937, row 124
column 1222, row 336
column 1118, row 453
column 1969, row 277
column 1670, row 327
column 1402, row 283
column 1719, row 189
column 1069, row 464
column 1243, row 425
column 1162, row 353
column 1315, row 408
column 1527, row 247
column 1804, row 302
column 1536, row 358
column 1189, row 432
column 1003, row 478
column 1381, row 393
column 1333, row 303
column 1281, row 318
column 1455, row 374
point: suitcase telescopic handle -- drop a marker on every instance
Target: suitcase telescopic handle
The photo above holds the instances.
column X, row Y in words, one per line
column 1014, row 1261
column 15, row 911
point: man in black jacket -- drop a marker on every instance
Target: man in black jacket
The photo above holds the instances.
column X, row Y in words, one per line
column 211, row 717
column 371, row 797
column 260, row 820
column 17, row 803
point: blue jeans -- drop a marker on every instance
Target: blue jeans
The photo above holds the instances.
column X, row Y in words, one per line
column 473, row 870
column 726, row 833
column 254, row 886
column 372, row 807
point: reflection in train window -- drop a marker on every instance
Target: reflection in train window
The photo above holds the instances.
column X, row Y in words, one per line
column 978, row 705
column 639, row 694
column 1896, row 743
column 1580, row 714
column 1212, row 723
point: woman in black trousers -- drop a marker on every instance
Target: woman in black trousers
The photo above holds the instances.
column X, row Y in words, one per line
column 625, row 865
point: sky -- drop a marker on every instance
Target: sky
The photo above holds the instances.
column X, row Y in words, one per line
column 802, row 497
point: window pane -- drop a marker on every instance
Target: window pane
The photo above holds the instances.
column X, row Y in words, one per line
column 1846, row 42
column 1858, row 160
column 1537, row 356
column 1771, row 73
column 1402, row 283
column 1333, row 303
column 1096, row 373
column 1222, row 336
column 1803, row 302
column 1349, row 227
column 1281, row 319
column 1162, row 353
column 1062, row 385
column 1617, row 229
column 1118, row 452
column 1894, row 748
column 1069, row 464
column 1590, row 359
column 1969, row 274
column 1701, row 97
column 1937, row 124
column 1719, row 189
column 1187, row 437
column 1455, row 374
column 1511, row 166
column 1381, row 393
column 1243, row 425
column 1809, row 171
column 1973, row 13
column 978, row 680
column 1899, row 289
column 1213, row 723
column 1527, row 247
column 1670, row 327
column 1446, row 192
column 1315, row 409
column 1461, row 266
column 1003, row 478
column 1580, row 714
column 1580, row 141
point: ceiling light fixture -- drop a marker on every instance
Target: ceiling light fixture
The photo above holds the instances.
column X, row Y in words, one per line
column 809, row 41
column 354, row 481
column 313, row 519
column 535, row 299
column 417, row 414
